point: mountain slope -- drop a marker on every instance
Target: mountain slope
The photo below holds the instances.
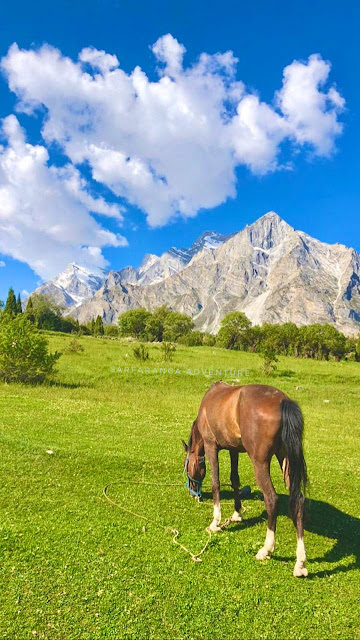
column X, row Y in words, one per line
column 268, row 270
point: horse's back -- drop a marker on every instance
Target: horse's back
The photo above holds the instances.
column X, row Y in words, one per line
column 241, row 416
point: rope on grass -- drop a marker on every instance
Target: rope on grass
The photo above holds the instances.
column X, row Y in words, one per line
column 174, row 532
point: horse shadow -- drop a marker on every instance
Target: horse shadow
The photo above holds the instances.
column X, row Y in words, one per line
column 324, row 520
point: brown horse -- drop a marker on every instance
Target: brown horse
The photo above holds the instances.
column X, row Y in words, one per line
column 261, row 421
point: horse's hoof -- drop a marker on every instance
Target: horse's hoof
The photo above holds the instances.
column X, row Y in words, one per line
column 236, row 517
column 262, row 555
column 213, row 528
column 300, row 572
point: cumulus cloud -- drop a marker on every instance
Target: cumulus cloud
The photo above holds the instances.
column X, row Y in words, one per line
column 44, row 210
column 311, row 114
column 170, row 146
column 2, row 263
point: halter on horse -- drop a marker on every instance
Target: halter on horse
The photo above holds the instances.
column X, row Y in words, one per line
column 194, row 486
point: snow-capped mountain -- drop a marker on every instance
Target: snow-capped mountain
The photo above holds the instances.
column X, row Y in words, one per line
column 78, row 283
column 270, row 271
column 75, row 285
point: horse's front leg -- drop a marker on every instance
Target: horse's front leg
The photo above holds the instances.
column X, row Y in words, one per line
column 235, row 483
column 213, row 457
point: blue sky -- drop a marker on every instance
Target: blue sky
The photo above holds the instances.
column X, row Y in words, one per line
column 312, row 185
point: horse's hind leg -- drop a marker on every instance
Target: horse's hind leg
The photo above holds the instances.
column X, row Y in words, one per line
column 235, row 483
column 300, row 569
column 212, row 455
column 262, row 475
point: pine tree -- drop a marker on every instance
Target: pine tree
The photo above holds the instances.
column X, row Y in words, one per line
column 30, row 310
column 10, row 306
column 18, row 304
column 99, row 326
column 92, row 326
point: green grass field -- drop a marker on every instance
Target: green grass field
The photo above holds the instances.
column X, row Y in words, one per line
column 73, row 566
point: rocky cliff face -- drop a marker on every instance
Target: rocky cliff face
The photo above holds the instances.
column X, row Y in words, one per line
column 268, row 270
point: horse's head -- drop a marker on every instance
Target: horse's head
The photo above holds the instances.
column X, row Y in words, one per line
column 194, row 469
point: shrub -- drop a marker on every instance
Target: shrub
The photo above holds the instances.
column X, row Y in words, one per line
column 141, row 352
column 111, row 330
column 192, row 339
column 74, row 346
column 168, row 351
column 269, row 358
column 24, row 355
column 208, row 340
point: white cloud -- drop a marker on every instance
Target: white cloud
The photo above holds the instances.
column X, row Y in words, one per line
column 310, row 113
column 171, row 146
column 44, row 210
column 2, row 263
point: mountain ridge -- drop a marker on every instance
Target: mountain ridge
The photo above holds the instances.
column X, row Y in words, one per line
column 79, row 282
column 268, row 270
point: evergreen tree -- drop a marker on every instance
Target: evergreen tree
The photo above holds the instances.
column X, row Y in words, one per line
column 18, row 304
column 30, row 310
column 99, row 326
column 91, row 326
column 10, row 306
column 24, row 355
column 357, row 348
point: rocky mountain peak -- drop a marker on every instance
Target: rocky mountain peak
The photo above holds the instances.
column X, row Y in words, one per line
column 76, row 284
column 268, row 231
column 207, row 240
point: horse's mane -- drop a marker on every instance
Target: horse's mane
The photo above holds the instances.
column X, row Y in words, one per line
column 191, row 435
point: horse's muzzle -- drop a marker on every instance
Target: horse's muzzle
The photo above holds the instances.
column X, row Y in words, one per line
column 192, row 485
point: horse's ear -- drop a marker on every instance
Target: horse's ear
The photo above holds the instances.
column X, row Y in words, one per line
column 185, row 446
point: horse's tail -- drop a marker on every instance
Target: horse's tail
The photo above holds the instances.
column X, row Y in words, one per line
column 292, row 426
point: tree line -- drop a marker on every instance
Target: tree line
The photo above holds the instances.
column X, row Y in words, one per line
column 318, row 341
column 43, row 312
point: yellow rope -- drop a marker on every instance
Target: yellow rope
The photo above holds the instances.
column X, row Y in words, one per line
column 174, row 532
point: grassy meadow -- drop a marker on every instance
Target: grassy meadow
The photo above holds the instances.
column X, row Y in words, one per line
column 73, row 566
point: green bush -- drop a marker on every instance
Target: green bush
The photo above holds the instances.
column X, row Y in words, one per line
column 141, row 352
column 269, row 358
column 74, row 346
column 111, row 330
column 24, row 355
column 192, row 339
column 168, row 351
column 209, row 340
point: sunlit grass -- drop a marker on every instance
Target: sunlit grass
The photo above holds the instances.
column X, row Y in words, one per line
column 72, row 566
